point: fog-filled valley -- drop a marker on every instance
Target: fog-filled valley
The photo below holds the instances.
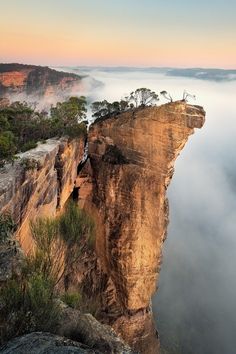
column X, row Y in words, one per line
column 194, row 307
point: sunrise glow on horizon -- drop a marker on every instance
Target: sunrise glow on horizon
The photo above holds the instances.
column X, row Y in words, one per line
column 123, row 33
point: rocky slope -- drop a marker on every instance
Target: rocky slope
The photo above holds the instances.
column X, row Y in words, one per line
column 132, row 158
column 33, row 83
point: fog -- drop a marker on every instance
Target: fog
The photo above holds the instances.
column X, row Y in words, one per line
column 195, row 306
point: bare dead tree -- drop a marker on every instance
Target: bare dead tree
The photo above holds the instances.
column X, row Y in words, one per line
column 187, row 95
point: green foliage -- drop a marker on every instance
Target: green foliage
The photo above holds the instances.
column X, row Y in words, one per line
column 31, row 144
column 21, row 127
column 138, row 98
column 76, row 130
column 76, row 224
column 143, row 97
column 71, row 111
column 104, row 108
column 72, row 299
column 67, row 117
column 7, row 226
column 49, row 249
column 29, row 301
column 7, row 147
column 27, row 305
column 29, row 164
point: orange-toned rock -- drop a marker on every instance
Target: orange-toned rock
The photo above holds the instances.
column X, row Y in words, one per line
column 132, row 158
column 37, row 84
column 43, row 190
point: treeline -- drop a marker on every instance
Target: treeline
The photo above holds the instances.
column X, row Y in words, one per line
column 21, row 127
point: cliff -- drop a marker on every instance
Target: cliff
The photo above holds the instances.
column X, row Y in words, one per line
column 41, row 189
column 132, row 161
column 123, row 187
column 33, row 83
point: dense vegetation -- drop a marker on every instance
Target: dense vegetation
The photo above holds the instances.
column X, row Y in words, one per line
column 21, row 127
column 29, row 301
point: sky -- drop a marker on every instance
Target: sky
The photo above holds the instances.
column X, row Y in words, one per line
column 126, row 32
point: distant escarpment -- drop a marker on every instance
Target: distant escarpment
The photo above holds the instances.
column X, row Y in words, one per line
column 132, row 162
column 32, row 83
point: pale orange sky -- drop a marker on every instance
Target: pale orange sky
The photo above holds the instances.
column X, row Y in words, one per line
column 133, row 33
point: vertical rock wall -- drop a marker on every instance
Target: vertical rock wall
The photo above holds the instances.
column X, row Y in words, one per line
column 132, row 158
column 41, row 191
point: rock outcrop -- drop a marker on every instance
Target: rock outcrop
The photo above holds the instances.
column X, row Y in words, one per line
column 132, row 160
column 39, row 183
column 76, row 333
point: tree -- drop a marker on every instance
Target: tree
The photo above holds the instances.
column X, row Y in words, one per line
column 143, row 97
column 166, row 95
column 7, row 147
column 187, row 95
column 70, row 112
column 101, row 108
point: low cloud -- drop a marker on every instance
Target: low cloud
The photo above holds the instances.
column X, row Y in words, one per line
column 195, row 305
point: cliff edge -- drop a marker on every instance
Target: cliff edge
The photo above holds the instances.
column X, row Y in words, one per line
column 132, row 159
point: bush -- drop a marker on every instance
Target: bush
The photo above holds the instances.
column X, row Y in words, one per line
column 29, row 163
column 72, row 299
column 28, row 146
column 76, row 224
column 27, row 305
column 48, row 256
column 7, row 226
column 76, row 130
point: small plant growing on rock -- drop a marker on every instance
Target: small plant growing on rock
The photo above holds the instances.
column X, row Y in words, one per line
column 72, row 299
column 30, row 164
column 7, row 226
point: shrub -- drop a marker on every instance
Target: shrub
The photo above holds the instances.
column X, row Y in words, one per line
column 49, row 249
column 76, row 130
column 28, row 146
column 7, row 226
column 76, row 224
column 27, row 305
column 72, row 299
column 29, row 163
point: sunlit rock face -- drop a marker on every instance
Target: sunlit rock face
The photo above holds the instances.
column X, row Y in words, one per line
column 132, row 160
column 33, row 83
column 41, row 191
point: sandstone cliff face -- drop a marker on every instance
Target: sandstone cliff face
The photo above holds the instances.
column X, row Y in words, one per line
column 31, row 83
column 123, row 186
column 43, row 190
column 132, row 158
